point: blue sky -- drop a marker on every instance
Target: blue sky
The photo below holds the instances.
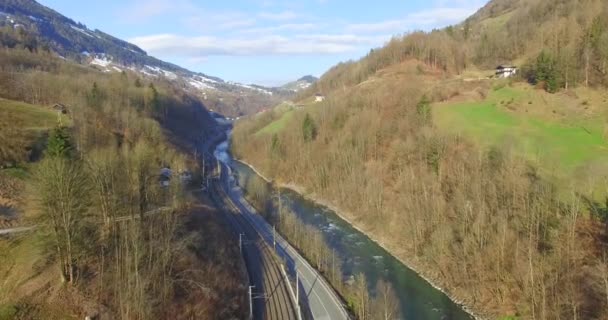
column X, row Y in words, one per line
column 267, row 42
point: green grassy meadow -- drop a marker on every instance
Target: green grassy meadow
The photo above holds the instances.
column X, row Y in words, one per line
column 500, row 119
column 278, row 124
column 33, row 117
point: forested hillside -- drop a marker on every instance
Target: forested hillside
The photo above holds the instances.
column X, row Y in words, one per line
column 81, row 154
column 485, row 212
column 572, row 34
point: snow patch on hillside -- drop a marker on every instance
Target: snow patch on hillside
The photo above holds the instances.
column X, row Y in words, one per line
column 304, row 85
column 170, row 75
column 205, row 79
column 103, row 62
column 82, row 31
column 201, row 85
column 156, row 71
column 260, row 90
column 147, row 73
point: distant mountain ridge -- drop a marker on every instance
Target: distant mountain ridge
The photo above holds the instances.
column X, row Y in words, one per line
column 75, row 41
column 301, row 84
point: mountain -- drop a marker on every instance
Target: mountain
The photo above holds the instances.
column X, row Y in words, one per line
column 488, row 186
column 75, row 41
column 300, row 84
column 572, row 35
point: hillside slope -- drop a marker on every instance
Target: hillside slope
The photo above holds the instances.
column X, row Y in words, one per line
column 37, row 26
column 445, row 165
column 80, row 155
column 573, row 34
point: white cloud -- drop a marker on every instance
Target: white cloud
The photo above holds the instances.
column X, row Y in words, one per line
column 299, row 27
column 203, row 46
column 278, row 29
column 278, row 16
column 424, row 19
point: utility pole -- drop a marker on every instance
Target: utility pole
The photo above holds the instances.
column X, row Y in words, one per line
column 241, row 243
column 297, row 288
column 280, row 204
column 298, row 295
column 250, row 302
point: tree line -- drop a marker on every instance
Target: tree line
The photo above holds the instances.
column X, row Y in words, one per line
column 571, row 34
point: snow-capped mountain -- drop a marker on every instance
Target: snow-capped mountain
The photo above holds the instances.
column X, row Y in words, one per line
column 75, row 41
column 300, row 84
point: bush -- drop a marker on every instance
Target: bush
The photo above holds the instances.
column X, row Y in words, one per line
column 309, row 129
column 499, row 85
column 423, row 109
column 7, row 312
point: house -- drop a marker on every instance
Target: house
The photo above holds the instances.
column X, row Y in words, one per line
column 319, row 97
column 505, row 71
column 185, row 176
column 60, row 108
column 165, row 177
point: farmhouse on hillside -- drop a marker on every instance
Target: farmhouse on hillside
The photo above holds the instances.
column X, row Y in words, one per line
column 505, row 71
column 319, row 97
column 60, row 108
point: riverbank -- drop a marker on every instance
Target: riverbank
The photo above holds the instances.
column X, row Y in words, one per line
column 415, row 266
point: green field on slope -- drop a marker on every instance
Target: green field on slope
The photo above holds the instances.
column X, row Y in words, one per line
column 30, row 116
column 278, row 124
column 565, row 145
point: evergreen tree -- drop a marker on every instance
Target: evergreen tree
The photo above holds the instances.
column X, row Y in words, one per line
column 309, row 129
column 275, row 144
column 545, row 72
column 155, row 104
column 467, row 29
column 59, row 143
column 95, row 97
column 423, row 109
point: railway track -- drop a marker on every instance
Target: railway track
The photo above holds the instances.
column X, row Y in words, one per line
column 271, row 297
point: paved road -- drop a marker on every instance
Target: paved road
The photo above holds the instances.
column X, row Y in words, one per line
column 318, row 299
column 15, row 230
column 272, row 296
column 117, row 219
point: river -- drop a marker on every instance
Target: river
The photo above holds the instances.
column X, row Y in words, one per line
column 418, row 299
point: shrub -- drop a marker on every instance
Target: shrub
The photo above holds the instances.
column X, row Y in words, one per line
column 309, row 129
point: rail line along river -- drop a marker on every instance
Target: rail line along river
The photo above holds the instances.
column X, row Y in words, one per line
column 418, row 299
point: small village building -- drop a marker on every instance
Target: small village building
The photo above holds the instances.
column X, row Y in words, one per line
column 164, row 177
column 60, row 108
column 505, row 71
column 185, row 176
column 319, row 97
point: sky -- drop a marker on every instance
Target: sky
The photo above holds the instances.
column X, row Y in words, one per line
column 267, row 42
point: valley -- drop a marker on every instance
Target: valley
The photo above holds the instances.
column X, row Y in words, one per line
column 452, row 166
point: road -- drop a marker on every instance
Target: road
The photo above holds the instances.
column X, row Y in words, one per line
column 318, row 299
column 15, row 230
column 272, row 298
column 117, row 219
